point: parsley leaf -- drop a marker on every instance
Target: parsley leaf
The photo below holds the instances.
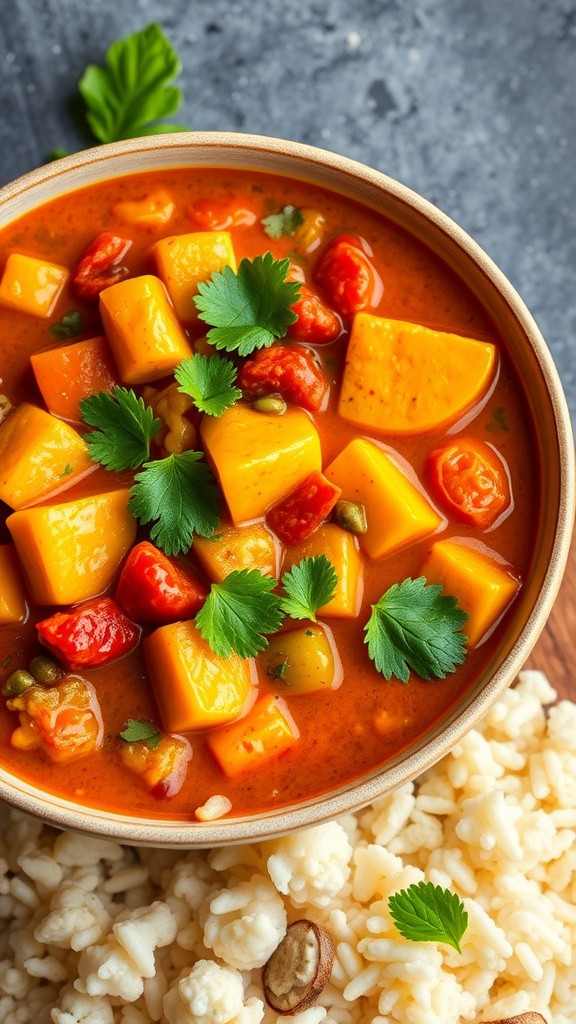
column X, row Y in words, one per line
column 131, row 94
column 140, row 731
column 427, row 913
column 209, row 381
column 68, row 327
column 415, row 625
column 125, row 425
column 286, row 222
column 309, row 585
column 180, row 494
column 250, row 309
column 238, row 612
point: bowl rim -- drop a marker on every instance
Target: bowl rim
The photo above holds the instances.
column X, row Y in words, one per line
column 66, row 814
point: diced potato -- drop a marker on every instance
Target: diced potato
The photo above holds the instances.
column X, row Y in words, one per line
column 238, row 547
column 30, row 285
column 143, row 331
column 266, row 732
column 259, row 459
column 162, row 768
column 71, row 552
column 39, row 455
column 481, row 580
column 194, row 687
column 401, row 378
column 398, row 514
column 342, row 549
column 184, row 260
column 66, row 374
column 13, row 606
column 303, row 660
column 153, row 211
column 64, row 721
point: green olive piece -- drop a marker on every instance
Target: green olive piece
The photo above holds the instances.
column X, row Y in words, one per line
column 272, row 404
column 351, row 516
column 17, row 682
column 44, row 670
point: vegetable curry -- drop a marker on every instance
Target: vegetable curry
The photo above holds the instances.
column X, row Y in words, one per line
column 267, row 493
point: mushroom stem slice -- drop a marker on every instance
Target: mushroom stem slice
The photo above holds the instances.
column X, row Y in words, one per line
column 299, row 968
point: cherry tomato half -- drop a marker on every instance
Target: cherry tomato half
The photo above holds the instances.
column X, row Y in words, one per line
column 470, row 482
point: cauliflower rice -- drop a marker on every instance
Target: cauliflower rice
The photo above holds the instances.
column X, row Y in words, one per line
column 96, row 933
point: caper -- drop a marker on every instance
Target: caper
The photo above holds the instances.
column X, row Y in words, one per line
column 44, row 670
column 351, row 516
column 272, row 404
column 17, row 682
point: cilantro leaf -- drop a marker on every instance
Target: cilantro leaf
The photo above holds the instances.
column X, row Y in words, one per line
column 131, row 93
column 309, row 585
column 209, row 381
column 498, row 421
column 286, row 222
column 125, row 425
column 141, row 731
column 427, row 913
column 249, row 309
column 238, row 612
column 414, row 624
column 180, row 494
column 68, row 327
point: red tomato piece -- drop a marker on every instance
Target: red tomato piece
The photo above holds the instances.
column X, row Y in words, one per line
column 100, row 266
column 308, row 505
column 158, row 589
column 289, row 372
column 347, row 276
column 316, row 323
column 93, row 633
column 219, row 215
column 470, row 481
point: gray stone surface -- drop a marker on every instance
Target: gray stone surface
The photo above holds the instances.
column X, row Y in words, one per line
column 469, row 102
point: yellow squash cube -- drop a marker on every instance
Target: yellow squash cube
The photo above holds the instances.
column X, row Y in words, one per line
column 398, row 514
column 480, row 580
column 195, row 688
column 143, row 331
column 71, row 552
column 341, row 548
column 303, row 660
column 401, row 378
column 153, row 211
column 259, row 458
column 264, row 734
column 13, row 606
column 184, row 260
column 39, row 455
column 30, row 285
column 233, row 548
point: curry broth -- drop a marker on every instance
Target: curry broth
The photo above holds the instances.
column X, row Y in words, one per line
column 338, row 738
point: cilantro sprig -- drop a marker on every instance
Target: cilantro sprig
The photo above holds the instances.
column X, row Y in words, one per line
column 124, row 426
column 70, row 326
column 249, row 309
column 308, row 585
column 427, row 913
column 209, row 381
column 415, row 626
column 140, row 731
column 239, row 612
column 285, row 222
column 180, row 496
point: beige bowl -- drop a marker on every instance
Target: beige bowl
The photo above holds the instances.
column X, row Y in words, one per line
column 547, row 407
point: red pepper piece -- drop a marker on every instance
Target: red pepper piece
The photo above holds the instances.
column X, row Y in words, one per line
column 100, row 266
column 219, row 215
column 347, row 276
column 289, row 372
column 155, row 588
column 93, row 633
column 308, row 505
column 316, row 323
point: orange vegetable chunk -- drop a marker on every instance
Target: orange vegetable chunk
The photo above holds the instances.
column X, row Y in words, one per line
column 32, row 285
column 483, row 583
column 72, row 551
column 143, row 331
column 342, row 549
column 401, row 378
column 65, row 721
column 152, row 211
column 13, row 606
column 69, row 373
column 398, row 514
column 39, row 455
column 194, row 687
column 259, row 458
column 238, row 547
column 184, row 260
column 264, row 734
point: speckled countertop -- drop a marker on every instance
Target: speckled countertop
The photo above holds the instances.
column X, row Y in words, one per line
column 469, row 103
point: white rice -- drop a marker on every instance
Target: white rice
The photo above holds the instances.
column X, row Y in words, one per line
column 95, row 933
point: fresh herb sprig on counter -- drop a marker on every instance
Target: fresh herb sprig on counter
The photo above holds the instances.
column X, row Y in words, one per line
column 428, row 913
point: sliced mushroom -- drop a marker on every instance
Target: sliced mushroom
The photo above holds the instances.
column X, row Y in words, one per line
column 299, row 968
column 530, row 1017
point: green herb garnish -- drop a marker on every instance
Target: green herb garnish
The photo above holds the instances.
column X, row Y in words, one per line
column 250, row 309
column 308, row 585
column 70, row 326
column 125, row 428
column 239, row 612
column 209, row 381
column 415, row 625
column 498, row 421
column 286, row 222
column 141, row 732
column 427, row 913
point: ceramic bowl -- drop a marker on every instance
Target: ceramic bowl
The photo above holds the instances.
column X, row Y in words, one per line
column 547, row 407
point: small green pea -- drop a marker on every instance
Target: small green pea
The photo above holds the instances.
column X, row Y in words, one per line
column 44, row 670
column 351, row 516
column 17, row 682
column 272, row 404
